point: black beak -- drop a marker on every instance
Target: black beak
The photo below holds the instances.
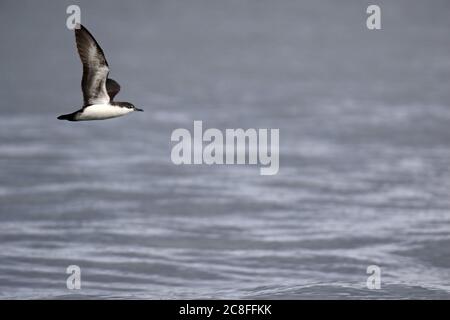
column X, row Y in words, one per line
column 137, row 109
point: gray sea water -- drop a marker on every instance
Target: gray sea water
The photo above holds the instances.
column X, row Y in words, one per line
column 364, row 119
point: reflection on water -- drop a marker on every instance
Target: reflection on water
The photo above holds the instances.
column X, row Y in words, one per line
column 364, row 176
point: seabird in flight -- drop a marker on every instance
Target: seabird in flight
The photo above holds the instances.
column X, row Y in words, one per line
column 98, row 90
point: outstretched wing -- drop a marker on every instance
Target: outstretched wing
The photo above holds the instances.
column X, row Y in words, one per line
column 112, row 87
column 95, row 68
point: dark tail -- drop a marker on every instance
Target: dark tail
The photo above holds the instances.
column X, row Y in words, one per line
column 69, row 117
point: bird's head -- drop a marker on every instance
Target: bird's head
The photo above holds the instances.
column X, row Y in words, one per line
column 130, row 106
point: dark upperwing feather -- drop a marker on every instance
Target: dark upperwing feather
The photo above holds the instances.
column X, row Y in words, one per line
column 112, row 87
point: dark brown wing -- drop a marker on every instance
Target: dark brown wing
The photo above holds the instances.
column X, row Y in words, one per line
column 95, row 68
column 112, row 87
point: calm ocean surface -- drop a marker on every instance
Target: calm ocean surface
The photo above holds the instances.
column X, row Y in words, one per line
column 364, row 119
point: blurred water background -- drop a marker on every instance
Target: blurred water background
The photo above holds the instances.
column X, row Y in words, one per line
column 364, row 119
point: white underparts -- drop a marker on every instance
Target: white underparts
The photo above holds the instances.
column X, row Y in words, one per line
column 102, row 111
